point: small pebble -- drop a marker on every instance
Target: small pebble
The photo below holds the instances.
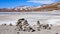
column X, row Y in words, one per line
column 56, row 33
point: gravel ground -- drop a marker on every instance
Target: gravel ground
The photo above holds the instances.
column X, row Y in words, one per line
column 11, row 30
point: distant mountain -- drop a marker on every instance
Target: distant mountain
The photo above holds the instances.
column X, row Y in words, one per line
column 50, row 7
column 23, row 8
column 53, row 6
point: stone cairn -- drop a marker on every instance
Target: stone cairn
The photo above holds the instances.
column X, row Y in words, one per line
column 43, row 26
column 22, row 25
column 38, row 25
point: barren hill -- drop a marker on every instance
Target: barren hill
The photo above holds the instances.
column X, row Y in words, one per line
column 50, row 7
column 53, row 6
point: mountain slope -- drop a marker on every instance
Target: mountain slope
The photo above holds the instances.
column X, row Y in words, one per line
column 53, row 6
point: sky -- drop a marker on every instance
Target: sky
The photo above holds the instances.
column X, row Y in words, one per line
column 15, row 3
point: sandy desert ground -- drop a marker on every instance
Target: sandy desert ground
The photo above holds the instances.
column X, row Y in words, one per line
column 11, row 30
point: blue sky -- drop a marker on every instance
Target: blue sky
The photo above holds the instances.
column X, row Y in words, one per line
column 14, row 3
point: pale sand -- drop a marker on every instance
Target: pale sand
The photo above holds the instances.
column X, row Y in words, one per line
column 11, row 30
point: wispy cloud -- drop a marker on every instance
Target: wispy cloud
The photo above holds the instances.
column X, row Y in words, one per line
column 42, row 1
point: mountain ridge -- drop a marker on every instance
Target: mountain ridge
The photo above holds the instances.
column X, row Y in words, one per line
column 49, row 7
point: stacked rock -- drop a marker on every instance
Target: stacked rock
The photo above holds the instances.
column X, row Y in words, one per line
column 43, row 26
column 23, row 25
column 38, row 26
